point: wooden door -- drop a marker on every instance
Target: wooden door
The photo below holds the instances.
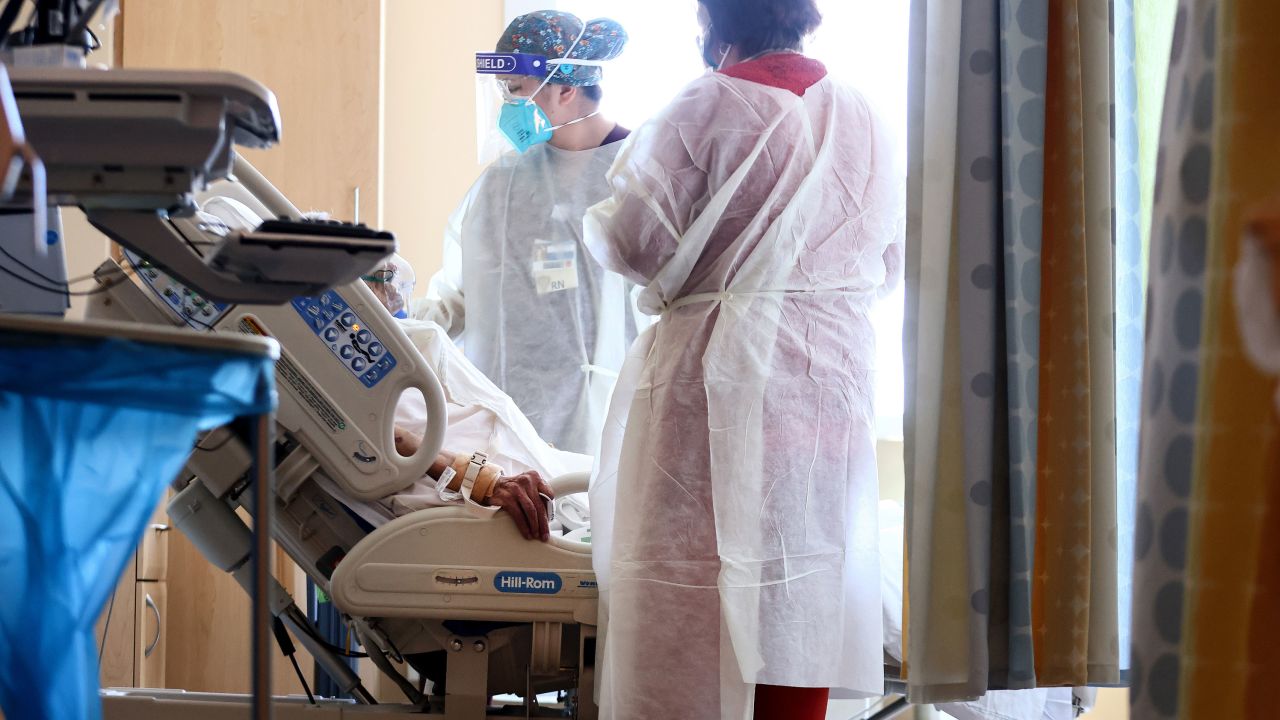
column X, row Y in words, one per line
column 322, row 61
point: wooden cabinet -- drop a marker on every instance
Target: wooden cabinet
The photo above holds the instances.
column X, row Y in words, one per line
column 131, row 629
column 149, row 633
column 115, row 634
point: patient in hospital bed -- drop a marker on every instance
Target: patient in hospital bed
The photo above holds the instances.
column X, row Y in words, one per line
column 481, row 418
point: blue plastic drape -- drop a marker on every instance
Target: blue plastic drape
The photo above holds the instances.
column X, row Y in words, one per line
column 91, row 431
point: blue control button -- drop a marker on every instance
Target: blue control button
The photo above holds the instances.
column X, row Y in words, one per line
column 331, row 334
column 363, row 337
column 318, row 324
column 359, row 364
column 325, row 299
column 375, row 349
column 347, row 352
column 347, row 320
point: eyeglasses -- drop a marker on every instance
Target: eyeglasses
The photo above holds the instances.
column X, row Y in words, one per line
column 381, row 275
column 504, row 87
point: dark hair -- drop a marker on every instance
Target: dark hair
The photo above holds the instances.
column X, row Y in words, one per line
column 755, row 26
column 592, row 92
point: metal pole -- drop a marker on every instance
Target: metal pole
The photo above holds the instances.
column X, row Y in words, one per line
column 263, row 429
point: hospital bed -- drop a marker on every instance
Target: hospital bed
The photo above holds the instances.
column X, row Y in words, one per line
column 443, row 589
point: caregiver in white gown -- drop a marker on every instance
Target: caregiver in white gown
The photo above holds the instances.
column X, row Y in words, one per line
column 734, row 506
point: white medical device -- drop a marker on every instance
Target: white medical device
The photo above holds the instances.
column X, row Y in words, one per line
column 133, row 147
column 462, row 598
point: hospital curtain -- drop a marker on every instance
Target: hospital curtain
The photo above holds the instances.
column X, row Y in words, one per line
column 1207, row 584
column 1021, row 289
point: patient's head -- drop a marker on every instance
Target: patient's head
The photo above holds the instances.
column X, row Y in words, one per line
column 392, row 282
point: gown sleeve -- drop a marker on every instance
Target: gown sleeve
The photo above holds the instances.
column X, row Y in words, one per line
column 656, row 185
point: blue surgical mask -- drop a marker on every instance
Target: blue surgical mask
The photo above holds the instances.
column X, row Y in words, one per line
column 524, row 125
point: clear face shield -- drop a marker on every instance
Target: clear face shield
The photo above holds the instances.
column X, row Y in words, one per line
column 392, row 282
column 507, row 116
column 493, row 70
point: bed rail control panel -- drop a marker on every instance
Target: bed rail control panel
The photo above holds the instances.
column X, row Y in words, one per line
column 355, row 345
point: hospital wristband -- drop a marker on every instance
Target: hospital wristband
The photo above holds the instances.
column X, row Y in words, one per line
column 459, row 466
column 487, row 483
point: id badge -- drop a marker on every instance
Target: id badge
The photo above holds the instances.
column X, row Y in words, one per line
column 555, row 266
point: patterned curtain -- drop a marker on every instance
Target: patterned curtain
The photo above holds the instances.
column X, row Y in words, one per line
column 1022, row 289
column 1207, row 580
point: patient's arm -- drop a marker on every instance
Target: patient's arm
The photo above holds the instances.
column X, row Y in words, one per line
column 518, row 495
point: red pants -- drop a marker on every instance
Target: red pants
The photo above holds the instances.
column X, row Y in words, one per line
column 774, row 702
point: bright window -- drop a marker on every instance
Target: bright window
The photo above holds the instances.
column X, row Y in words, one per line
column 862, row 42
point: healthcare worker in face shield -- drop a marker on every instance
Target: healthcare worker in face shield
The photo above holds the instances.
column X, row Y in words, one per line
column 734, row 507
column 533, row 312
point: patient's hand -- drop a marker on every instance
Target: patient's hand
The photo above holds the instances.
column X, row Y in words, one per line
column 518, row 496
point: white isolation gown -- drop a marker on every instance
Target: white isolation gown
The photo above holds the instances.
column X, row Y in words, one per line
column 734, row 504
column 534, row 314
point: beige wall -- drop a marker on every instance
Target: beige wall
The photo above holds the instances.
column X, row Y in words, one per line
column 430, row 122
column 1113, row 704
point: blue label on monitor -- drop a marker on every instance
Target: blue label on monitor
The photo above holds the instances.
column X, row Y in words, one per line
column 528, row 583
column 345, row 334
